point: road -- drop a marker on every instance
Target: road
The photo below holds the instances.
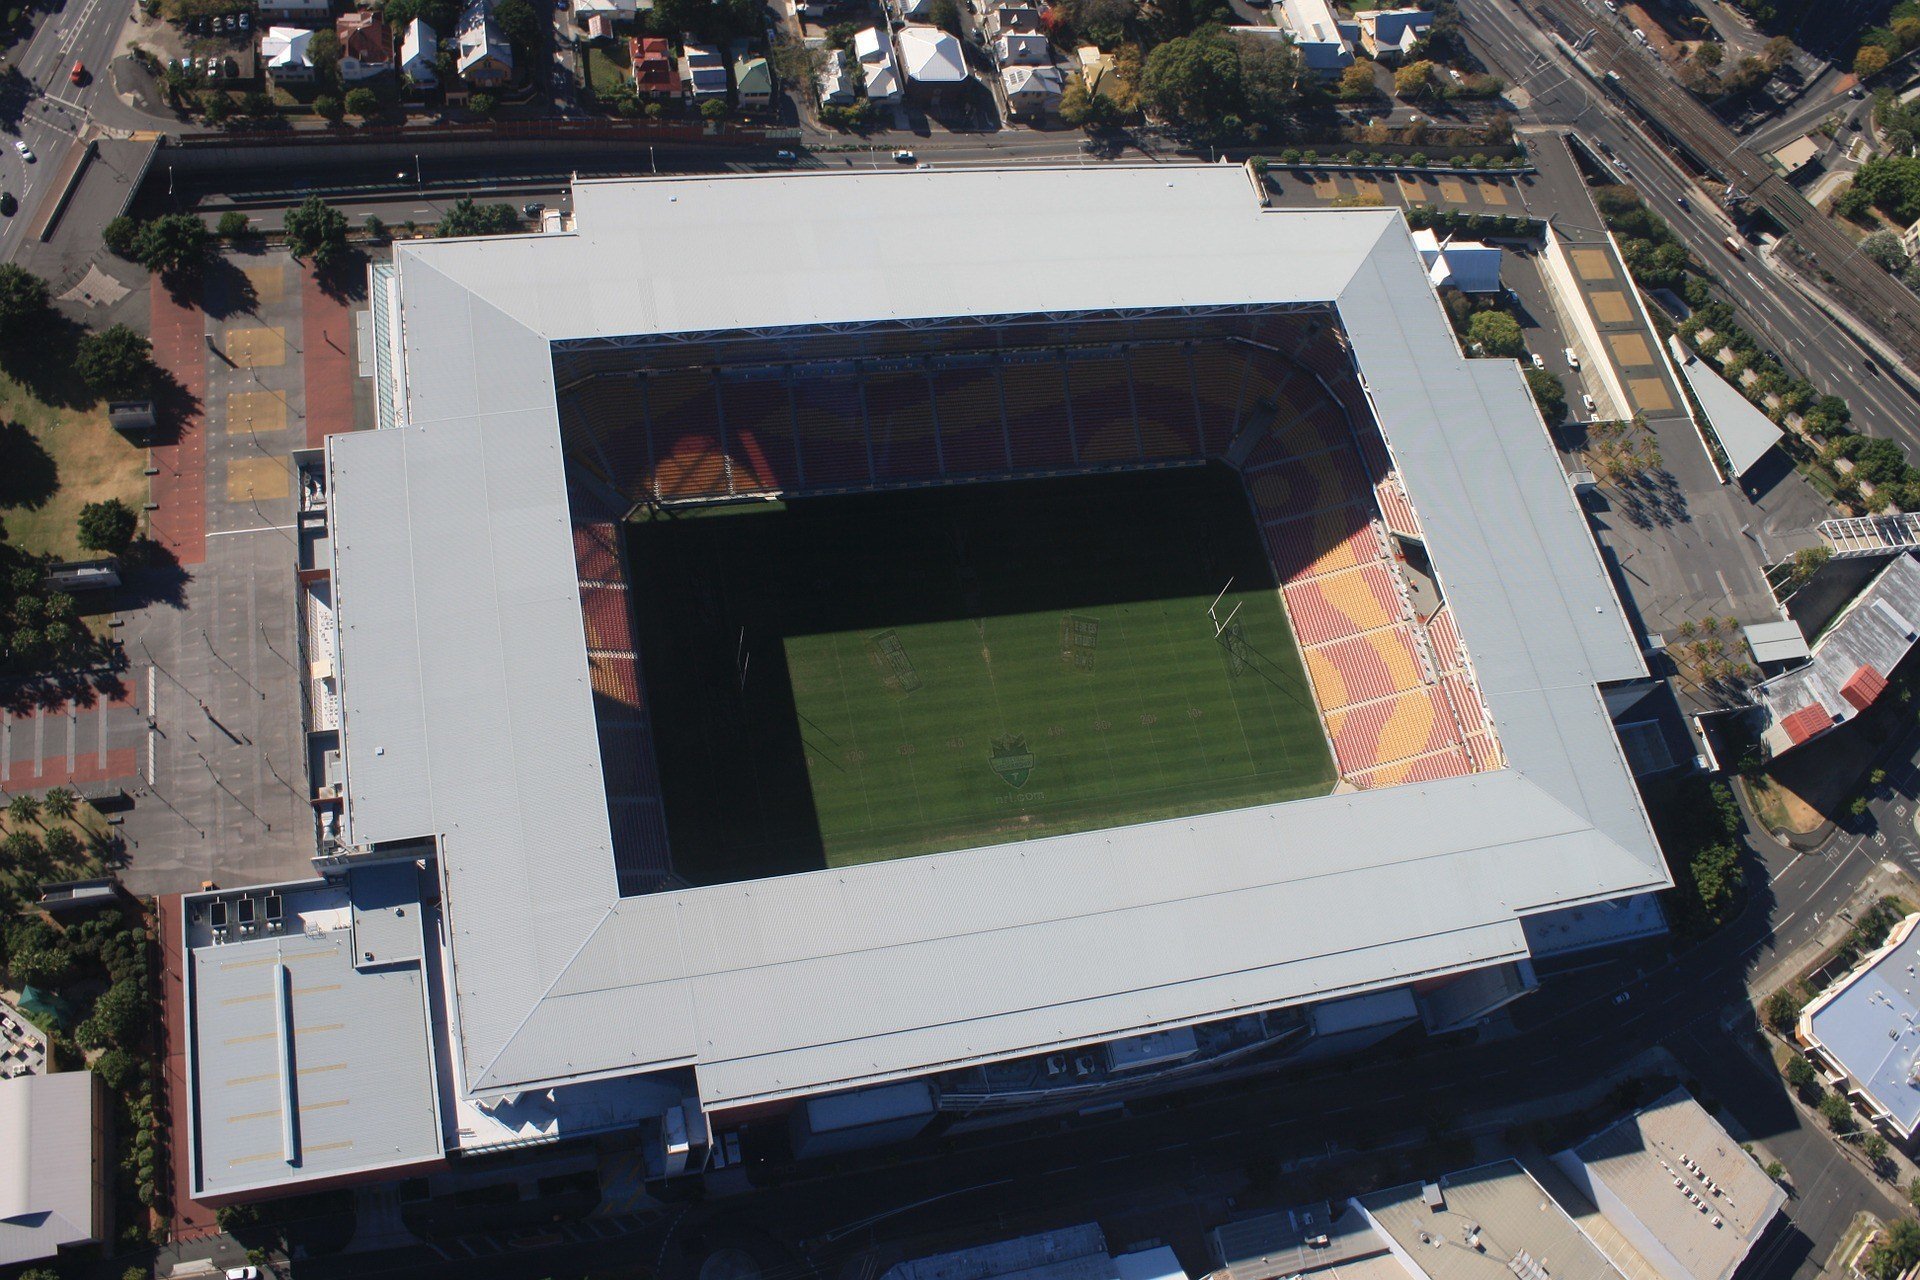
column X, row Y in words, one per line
column 40, row 105
column 1879, row 299
column 1798, row 331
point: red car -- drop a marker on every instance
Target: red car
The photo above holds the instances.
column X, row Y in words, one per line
column 79, row 73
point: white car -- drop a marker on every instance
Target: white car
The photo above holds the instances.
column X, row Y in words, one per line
column 26, row 152
column 1573, row 361
column 1538, row 363
column 1588, row 402
column 904, row 156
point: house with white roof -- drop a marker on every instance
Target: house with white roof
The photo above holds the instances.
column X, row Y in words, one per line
column 874, row 50
column 1032, row 91
column 1022, row 49
column 703, row 72
column 1390, row 34
column 283, row 50
column 933, row 61
column 1325, row 43
column 419, row 49
column 486, row 59
column 836, row 86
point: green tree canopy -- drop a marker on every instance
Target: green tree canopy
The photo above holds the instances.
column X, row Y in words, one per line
column 316, row 231
column 60, row 803
column 174, row 243
column 1497, row 334
column 118, row 364
column 23, row 301
column 323, row 51
column 363, row 102
column 1549, row 394
column 466, row 218
column 518, row 22
column 108, row 526
column 1193, row 80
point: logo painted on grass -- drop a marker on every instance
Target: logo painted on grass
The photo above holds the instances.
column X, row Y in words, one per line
column 1010, row 759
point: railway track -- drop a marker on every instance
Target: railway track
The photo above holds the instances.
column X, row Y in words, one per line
column 1872, row 294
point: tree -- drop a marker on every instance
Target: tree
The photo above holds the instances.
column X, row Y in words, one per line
column 22, row 809
column 119, row 1017
column 37, row 955
column 1874, row 1148
column 1414, row 81
column 1807, row 562
column 232, row 224
column 23, row 301
column 1709, row 55
column 363, row 102
column 323, row 51
column 466, row 218
column 1497, row 334
column 118, row 364
column 1356, row 82
column 216, row 107
column 1271, row 75
column 121, row 235
column 1870, row 61
column 713, row 109
column 1884, row 250
column 375, row 227
column 485, row 104
column 945, row 15
column 174, row 243
column 258, row 104
column 316, row 230
column 1835, row 1111
column 1193, row 80
column 1800, row 1072
column 1549, row 394
column 60, row 844
column 329, row 108
column 118, row 1070
column 1896, row 1251
column 518, row 22
column 60, row 802
column 22, row 848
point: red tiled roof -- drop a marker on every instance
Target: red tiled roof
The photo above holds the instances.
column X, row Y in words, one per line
column 364, row 37
column 1863, row 686
column 653, row 66
column 1806, row 722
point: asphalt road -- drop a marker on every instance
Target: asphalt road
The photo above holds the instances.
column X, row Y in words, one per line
column 40, row 105
column 1799, row 332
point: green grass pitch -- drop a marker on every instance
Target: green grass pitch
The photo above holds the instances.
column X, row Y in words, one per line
column 842, row 680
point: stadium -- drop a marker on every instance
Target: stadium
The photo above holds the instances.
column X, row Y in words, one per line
column 771, row 656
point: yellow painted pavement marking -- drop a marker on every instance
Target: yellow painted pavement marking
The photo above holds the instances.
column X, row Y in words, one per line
column 256, row 411
column 256, row 478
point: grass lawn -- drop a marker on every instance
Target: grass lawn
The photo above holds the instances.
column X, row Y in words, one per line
column 86, row 823
column 955, row 667
column 607, row 67
column 91, row 462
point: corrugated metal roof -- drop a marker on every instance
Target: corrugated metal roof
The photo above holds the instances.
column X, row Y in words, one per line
column 355, row 1039
column 1851, row 660
column 1869, row 1024
column 48, row 1127
column 456, row 546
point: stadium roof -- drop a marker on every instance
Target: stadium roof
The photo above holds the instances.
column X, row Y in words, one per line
column 1868, row 1024
column 468, row 714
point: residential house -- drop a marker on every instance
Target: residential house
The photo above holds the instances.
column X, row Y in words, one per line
column 933, row 61
column 283, row 51
column 366, row 45
column 913, row 10
column 1388, row 35
column 1023, row 49
column 585, row 11
column 1013, row 17
column 310, row 13
column 753, row 82
column 873, row 48
column 486, row 59
column 1032, row 92
column 836, row 86
column 703, row 72
column 655, row 74
column 1094, row 64
column 419, row 54
column 53, row 1169
column 1325, row 43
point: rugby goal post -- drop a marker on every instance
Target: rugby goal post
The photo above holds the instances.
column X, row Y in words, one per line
column 1220, row 624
